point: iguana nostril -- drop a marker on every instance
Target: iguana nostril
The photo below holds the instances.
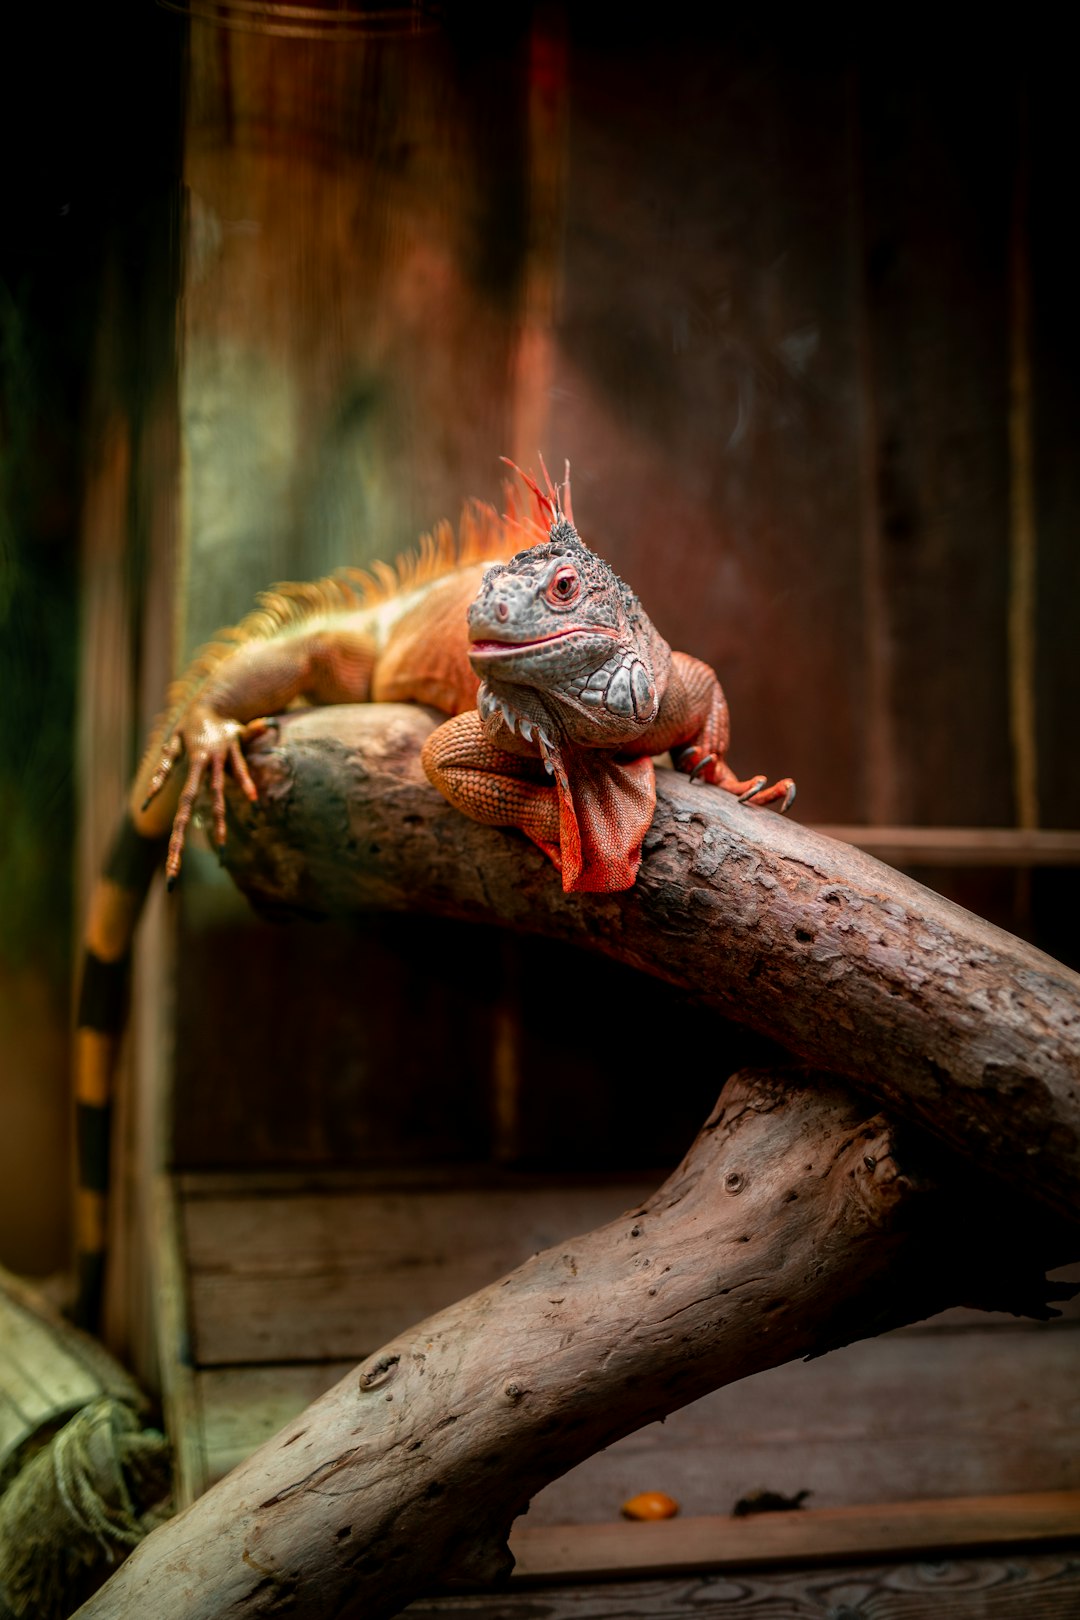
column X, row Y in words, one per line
column 502, row 612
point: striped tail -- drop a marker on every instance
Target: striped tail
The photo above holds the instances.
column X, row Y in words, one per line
column 102, row 1012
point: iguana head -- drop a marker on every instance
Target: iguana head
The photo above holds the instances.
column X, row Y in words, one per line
column 562, row 647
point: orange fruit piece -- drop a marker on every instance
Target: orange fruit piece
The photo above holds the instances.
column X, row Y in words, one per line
column 650, row 1505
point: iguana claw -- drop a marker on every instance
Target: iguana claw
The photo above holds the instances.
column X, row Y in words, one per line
column 784, row 790
column 712, row 768
column 209, row 741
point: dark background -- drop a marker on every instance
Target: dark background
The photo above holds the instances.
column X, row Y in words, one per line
column 796, row 281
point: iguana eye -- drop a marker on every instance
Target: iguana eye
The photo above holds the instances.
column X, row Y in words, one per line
column 564, row 587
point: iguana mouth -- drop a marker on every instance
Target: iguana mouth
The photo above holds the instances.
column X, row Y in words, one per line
column 490, row 648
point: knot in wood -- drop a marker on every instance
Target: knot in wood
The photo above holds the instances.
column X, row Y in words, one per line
column 513, row 1392
column 380, row 1372
column 734, row 1181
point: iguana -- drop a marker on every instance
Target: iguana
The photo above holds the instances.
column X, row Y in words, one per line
column 559, row 691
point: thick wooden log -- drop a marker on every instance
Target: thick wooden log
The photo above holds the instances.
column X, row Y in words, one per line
column 795, row 1222
column 851, row 965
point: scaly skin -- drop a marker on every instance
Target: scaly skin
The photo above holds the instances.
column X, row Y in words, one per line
column 559, row 691
column 577, row 691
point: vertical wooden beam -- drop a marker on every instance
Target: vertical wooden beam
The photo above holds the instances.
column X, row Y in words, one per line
column 938, row 175
column 1055, row 411
column 878, row 732
column 1023, row 538
column 179, row 1392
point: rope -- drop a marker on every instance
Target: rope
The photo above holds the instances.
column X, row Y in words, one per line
column 77, row 1508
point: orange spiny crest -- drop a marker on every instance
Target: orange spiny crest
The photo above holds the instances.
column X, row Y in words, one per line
column 482, row 536
column 553, row 502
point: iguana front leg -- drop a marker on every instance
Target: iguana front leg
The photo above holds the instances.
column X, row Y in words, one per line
column 492, row 785
column 208, row 741
column 693, row 724
column 587, row 809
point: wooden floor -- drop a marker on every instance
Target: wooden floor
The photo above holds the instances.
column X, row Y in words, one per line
column 1036, row 1587
column 288, row 1281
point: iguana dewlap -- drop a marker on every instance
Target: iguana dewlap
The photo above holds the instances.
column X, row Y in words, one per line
column 559, row 692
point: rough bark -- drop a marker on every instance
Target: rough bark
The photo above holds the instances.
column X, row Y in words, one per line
column 852, row 966
column 797, row 1221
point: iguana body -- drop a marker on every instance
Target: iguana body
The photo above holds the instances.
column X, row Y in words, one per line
column 559, row 692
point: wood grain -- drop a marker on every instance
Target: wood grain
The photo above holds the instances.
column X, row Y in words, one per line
column 179, row 1392
column 681, row 1545
column 322, row 1277
column 715, row 452
column 934, row 196
column 963, row 846
column 1042, row 1587
column 795, row 1222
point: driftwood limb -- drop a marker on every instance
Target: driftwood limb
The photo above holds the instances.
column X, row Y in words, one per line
column 800, row 1219
column 852, row 966
column 797, row 1221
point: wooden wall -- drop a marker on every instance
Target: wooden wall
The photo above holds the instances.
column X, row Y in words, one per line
column 797, row 305
column 776, row 298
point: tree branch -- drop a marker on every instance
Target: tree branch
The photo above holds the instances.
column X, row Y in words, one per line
column 796, row 1221
column 852, row 966
column 800, row 1218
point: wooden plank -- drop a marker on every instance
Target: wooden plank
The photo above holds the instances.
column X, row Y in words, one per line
column 1044, row 113
column 145, row 1088
column 314, row 1269
column 904, row 1416
column 316, row 1278
column 598, row 1550
column 1046, row 1585
column 179, row 1392
column 479, row 1179
column 1055, row 364
column 360, row 986
column 935, row 195
column 899, row 1417
column 963, row 846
